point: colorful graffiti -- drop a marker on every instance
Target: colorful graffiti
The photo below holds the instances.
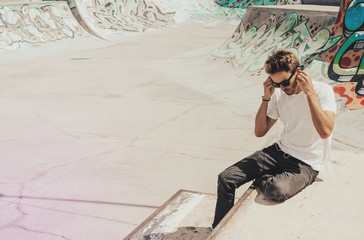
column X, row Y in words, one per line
column 348, row 63
column 346, row 58
column 35, row 24
column 347, row 90
column 248, row 48
column 128, row 15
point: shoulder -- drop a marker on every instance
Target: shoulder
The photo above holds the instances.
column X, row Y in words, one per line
column 277, row 93
column 326, row 96
column 322, row 88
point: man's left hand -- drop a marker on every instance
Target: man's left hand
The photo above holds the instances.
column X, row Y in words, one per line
column 304, row 81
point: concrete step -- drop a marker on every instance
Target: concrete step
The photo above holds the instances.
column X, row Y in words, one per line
column 185, row 214
column 189, row 215
column 322, row 2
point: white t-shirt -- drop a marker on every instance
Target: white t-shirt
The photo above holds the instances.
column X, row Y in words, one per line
column 299, row 137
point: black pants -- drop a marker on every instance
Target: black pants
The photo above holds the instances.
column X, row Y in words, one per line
column 277, row 176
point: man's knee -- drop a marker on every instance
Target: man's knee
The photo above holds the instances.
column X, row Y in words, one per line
column 223, row 177
column 226, row 181
column 276, row 191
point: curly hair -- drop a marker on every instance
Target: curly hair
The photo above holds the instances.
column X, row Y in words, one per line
column 281, row 60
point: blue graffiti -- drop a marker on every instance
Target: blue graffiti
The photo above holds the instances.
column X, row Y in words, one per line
column 354, row 17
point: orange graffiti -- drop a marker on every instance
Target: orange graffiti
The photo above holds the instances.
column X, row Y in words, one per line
column 347, row 90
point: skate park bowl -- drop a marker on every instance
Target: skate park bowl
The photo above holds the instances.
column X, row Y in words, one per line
column 110, row 107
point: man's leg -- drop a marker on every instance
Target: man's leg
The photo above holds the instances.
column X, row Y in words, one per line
column 252, row 167
column 289, row 182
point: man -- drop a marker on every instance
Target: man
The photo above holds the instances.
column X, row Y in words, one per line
column 307, row 110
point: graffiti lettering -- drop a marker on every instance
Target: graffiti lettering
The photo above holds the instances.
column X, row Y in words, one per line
column 39, row 24
column 133, row 16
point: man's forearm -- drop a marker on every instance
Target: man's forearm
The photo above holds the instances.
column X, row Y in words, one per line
column 322, row 121
column 261, row 122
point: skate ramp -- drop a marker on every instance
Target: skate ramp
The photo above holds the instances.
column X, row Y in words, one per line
column 101, row 134
column 103, row 18
column 106, row 17
column 29, row 23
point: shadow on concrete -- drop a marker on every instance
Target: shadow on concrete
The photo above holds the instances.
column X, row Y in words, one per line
column 319, row 180
column 183, row 233
column 77, row 200
column 261, row 199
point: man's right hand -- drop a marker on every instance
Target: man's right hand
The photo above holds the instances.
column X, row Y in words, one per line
column 262, row 122
column 268, row 88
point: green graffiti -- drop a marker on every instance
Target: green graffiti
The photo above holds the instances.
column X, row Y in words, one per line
column 248, row 53
column 348, row 44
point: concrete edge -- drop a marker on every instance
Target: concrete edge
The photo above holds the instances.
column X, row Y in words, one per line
column 316, row 8
column 160, row 209
column 242, row 203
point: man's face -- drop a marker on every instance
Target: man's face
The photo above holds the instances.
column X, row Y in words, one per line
column 282, row 79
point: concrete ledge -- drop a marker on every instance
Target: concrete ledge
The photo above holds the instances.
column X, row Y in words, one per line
column 301, row 8
column 322, row 2
column 186, row 212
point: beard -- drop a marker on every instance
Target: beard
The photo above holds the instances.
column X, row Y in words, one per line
column 292, row 89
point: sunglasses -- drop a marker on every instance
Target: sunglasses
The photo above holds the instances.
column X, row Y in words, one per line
column 284, row 83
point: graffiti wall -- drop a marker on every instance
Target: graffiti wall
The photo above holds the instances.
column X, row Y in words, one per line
column 122, row 15
column 107, row 16
column 103, row 17
column 261, row 32
column 346, row 58
column 33, row 24
column 329, row 46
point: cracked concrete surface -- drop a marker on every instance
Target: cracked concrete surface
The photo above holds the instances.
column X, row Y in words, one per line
column 89, row 149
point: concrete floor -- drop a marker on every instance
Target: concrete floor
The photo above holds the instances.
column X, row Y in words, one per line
column 97, row 135
column 93, row 141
